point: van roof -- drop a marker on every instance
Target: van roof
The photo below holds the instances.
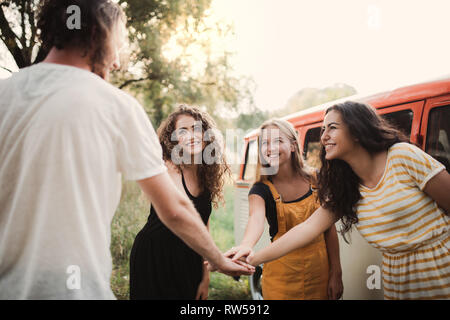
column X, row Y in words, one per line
column 379, row 100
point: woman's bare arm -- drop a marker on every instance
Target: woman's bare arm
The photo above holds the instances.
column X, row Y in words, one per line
column 438, row 189
column 332, row 243
column 254, row 229
column 335, row 285
column 299, row 236
column 178, row 213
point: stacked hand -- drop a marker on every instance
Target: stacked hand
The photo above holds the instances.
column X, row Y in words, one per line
column 232, row 268
column 241, row 253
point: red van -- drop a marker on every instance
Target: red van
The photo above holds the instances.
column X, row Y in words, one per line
column 422, row 111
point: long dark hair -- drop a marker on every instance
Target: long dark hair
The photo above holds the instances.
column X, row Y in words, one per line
column 338, row 183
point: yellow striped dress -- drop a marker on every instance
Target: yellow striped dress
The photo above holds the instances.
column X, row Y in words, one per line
column 407, row 226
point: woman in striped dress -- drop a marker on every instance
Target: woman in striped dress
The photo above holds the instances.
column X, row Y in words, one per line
column 393, row 192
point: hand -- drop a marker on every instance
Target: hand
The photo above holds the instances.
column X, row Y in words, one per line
column 232, row 268
column 335, row 286
column 252, row 259
column 202, row 290
column 236, row 253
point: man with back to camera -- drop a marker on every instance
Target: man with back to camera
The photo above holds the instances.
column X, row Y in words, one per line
column 66, row 137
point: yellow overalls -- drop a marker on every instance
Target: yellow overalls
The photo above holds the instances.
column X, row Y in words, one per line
column 303, row 273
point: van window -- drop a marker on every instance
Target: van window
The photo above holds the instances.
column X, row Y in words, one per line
column 311, row 150
column 251, row 159
column 438, row 135
column 401, row 120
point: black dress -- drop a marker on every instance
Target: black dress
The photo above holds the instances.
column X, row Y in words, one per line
column 162, row 266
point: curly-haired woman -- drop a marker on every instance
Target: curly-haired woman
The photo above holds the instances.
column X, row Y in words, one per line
column 161, row 265
column 393, row 192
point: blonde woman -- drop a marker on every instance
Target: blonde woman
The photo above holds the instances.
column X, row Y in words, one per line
column 283, row 194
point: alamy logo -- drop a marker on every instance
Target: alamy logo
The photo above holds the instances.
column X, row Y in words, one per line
column 374, row 17
column 74, row 280
column 374, row 280
column 74, row 20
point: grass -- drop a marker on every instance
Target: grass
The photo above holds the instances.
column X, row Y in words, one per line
column 130, row 218
column 222, row 287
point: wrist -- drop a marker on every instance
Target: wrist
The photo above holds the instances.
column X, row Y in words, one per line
column 253, row 260
column 221, row 262
column 205, row 277
column 246, row 244
column 335, row 271
column 205, row 271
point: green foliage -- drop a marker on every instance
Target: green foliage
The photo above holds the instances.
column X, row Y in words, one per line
column 175, row 58
column 177, row 54
column 130, row 217
column 251, row 119
column 223, row 287
column 303, row 99
column 309, row 97
column 222, row 221
column 18, row 30
column 222, row 230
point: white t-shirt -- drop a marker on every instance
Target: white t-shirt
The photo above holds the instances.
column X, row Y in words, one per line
column 66, row 136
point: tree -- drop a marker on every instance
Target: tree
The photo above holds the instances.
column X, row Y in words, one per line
column 173, row 56
column 178, row 57
column 252, row 120
column 309, row 97
column 18, row 31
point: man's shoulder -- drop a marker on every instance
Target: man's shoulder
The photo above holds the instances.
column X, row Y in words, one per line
column 84, row 83
column 103, row 94
column 106, row 89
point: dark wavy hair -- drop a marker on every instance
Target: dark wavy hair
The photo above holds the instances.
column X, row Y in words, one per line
column 338, row 183
column 94, row 38
column 212, row 176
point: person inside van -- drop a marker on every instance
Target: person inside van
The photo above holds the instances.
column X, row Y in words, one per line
column 284, row 194
column 393, row 192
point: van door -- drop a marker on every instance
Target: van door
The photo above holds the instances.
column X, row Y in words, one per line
column 435, row 129
column 243, row 185
column 246, row 179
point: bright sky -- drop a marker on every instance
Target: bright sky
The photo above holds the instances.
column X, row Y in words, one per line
column 372, row 45
column 287, row 45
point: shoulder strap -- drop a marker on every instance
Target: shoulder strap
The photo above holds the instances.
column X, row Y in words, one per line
column 275, row 194
column 185, row 186
column 281, row 220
